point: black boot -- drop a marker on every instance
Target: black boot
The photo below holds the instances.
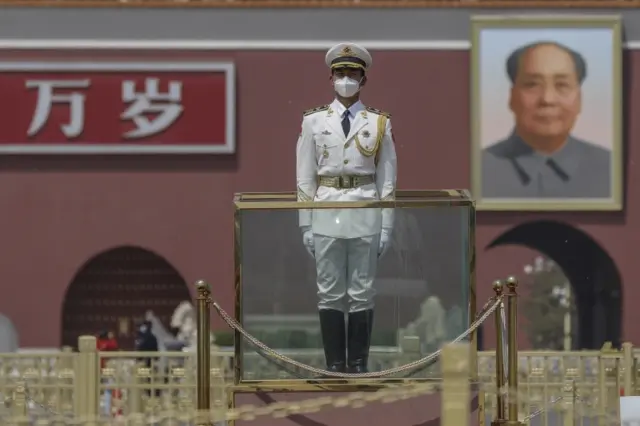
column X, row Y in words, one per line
column 334, row 339
column 360, row 325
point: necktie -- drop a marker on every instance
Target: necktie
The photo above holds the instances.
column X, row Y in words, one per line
column 346, row 124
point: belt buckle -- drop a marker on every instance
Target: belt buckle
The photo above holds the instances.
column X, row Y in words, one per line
column 345, row 182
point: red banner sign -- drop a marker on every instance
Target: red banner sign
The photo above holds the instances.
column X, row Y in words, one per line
column 117, row 107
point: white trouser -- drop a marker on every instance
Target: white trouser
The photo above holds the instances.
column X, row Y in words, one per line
column 346, row 267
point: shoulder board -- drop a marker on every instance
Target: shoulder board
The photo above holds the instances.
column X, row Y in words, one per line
column 314, row 110
column 377, row 111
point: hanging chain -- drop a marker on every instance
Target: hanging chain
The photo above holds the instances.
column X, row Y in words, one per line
column 488, row 309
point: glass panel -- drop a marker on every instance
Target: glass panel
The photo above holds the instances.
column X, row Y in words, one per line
column 417, row 291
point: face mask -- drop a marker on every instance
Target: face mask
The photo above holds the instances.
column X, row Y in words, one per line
column 346, row 87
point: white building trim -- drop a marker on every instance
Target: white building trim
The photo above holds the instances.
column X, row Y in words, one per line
column 195, row 45
column 213, row 45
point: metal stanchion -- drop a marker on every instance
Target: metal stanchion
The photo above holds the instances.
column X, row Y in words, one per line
column 498, row 288
column 203, row 375
column 512, row 344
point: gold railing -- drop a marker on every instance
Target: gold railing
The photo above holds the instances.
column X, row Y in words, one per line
column 91, row 387
column 70, row 388
column 595, row 378
column 555, row 382
column 396, row 4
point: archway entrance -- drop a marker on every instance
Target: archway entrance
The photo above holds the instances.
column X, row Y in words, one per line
column 594, row 277
column 114, row 290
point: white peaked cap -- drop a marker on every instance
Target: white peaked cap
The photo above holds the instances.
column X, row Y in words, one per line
column 348, row 55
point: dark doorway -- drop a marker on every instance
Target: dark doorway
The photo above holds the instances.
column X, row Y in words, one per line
column 114, row 290
column 594, row 277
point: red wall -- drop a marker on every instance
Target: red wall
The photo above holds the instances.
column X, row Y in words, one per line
column 60, row 211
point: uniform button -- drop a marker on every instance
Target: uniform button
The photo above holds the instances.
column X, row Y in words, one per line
column 346, row 161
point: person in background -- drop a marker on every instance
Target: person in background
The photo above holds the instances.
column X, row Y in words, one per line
column 106, row 342
column 146, row 341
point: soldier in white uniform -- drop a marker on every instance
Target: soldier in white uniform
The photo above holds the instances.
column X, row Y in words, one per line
column 346, row 152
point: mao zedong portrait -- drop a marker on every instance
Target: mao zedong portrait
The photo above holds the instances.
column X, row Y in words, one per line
column 541, row 158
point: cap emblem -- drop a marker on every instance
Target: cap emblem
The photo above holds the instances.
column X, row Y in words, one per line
column 346, row 51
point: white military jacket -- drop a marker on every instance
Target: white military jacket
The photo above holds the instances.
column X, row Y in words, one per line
column 323, row 150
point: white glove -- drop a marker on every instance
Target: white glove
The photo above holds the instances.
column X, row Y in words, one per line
column 307, row 240
column 385, row 241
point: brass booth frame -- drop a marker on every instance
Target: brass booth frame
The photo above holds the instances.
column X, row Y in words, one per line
column 506, row 413
column 288, row 201
column 507, row 408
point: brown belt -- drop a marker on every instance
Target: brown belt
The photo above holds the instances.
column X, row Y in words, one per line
column 345, row 182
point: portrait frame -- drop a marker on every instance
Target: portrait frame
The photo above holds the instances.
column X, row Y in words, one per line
column 544, row 23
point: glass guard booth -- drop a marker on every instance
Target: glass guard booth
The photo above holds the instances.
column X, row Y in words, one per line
column 421, row 293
